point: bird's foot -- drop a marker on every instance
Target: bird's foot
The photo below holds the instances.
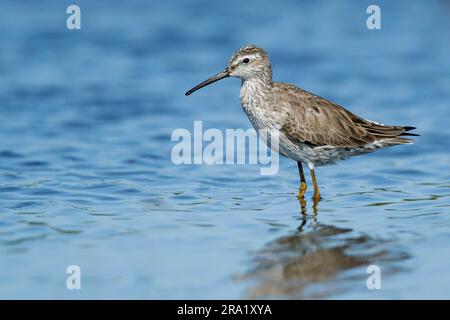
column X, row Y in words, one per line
column 316, row 197
column 301, row 191
column 302, row 204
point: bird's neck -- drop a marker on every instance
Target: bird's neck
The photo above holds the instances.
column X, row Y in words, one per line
column 253, row 92
column 255, row 86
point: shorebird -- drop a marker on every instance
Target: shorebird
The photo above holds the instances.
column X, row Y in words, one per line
column 312, row 130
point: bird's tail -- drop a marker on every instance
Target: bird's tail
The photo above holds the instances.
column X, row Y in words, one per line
column 393, row 135
column 407, row 128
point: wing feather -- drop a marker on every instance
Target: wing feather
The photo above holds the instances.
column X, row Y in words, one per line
column 319, row 122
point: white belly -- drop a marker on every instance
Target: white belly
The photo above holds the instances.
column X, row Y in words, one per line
column 324, row 155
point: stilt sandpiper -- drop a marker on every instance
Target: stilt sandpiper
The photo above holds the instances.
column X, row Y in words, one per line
column 312, row 130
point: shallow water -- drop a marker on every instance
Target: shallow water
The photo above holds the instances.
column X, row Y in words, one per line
column 86, row 176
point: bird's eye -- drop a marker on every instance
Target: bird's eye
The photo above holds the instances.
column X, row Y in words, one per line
column 246, row 60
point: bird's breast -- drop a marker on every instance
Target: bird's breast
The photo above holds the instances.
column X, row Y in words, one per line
column 258, row 107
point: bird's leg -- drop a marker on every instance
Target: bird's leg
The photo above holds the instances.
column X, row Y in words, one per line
column 316, row 196
column 302, row 189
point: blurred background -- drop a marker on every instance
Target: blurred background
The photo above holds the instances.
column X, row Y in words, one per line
column 86, row 177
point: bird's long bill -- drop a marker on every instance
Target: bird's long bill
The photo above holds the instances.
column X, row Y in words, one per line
column 217, row 77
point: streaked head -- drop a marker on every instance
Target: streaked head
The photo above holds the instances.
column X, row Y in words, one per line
column 247, row 63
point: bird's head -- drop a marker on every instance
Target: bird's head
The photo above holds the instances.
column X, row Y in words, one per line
column 249, row 62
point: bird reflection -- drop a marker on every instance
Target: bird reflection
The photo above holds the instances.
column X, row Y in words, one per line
column 315, row 254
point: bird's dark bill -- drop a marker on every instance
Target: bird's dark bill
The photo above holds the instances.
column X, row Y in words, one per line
column 217, row 77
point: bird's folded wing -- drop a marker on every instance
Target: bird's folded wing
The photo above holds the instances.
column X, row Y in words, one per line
column 318, row 122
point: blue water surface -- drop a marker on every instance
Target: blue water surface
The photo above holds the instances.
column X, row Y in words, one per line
column 86, row 176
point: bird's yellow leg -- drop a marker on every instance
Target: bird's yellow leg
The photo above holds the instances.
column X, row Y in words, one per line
column 316, row 196
column 302, row 188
